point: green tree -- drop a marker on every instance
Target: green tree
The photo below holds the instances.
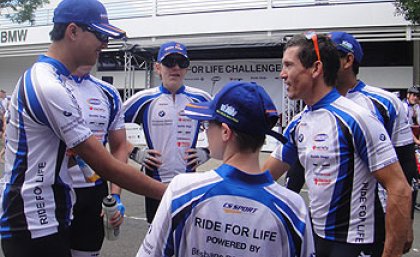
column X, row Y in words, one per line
column 23, row 10
column 410, row 9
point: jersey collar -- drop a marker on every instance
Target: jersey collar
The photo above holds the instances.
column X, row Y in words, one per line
column 55, row 63
column 326, row 100
column 358, row 88
column 166, row 91
column 229, row 172
column 78, row 79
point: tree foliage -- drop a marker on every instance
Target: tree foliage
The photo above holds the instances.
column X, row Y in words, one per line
column 410, row 9
column 23, row 10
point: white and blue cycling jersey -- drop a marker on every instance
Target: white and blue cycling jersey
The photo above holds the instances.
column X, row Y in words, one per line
column 387, row 108
column 340, row 145
column 165, row 127
column 45, row 119
column 101, row 109
column 227, row 212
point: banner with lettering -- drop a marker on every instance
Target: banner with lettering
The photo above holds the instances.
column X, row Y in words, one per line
column 211, row 76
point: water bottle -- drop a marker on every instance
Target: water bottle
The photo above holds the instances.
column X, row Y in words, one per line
column 88, row 173
column 109, row 205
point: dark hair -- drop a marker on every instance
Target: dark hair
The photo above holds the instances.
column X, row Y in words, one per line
column 355, row 66
column 58, row 31
column 249, row 142
column 307, row 56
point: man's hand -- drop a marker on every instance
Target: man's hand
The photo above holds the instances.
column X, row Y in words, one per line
column 118, row 218
column 197, row 156
column 149, row 158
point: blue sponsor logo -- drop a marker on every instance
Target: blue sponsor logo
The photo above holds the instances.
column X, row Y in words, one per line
column 382, row 137
column 320, row 137
column 94, row 101
column 238, row 209
column 161, row 113
column 300, row 138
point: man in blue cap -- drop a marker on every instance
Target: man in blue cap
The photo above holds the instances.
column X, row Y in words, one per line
column 236, row 209
column 45, row 119
column 171, row 138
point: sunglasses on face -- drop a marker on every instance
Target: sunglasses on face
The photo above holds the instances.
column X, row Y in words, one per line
column 311, row 35
column 172, row 61
column 101, row 37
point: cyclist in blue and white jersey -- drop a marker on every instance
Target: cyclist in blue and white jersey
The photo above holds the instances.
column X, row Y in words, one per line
column 344, row 150
column 385, row 105
column 101, row 105
column 45, row 119
column 171, row 138
column 236, row 209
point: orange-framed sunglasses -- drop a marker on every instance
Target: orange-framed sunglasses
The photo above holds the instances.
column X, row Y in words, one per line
column 311, row 35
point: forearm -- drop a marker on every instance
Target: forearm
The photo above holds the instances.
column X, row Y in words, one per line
column 118, row 172
column 398, row 221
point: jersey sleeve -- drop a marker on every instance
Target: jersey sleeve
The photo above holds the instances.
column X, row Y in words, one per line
column 287, row 152
column 401, row 130
column 373, row 143
column 54, row 105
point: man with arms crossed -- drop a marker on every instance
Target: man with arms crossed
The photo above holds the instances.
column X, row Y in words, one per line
column 171, row 138
column 237, row 209
column 45, row 119
column 344, row 151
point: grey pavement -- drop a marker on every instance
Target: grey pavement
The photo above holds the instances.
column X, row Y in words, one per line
column 135, row 226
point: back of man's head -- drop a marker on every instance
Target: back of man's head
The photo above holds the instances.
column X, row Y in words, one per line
column 308, row 54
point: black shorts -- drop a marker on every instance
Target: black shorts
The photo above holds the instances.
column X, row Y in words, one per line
column 151, row 206
column 328, row 248
column 87, row 228
column 54, row 245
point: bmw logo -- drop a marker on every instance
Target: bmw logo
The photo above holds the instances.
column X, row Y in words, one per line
column 382, row 137
column 161, row 113
column 300, row 138
column 67, row 114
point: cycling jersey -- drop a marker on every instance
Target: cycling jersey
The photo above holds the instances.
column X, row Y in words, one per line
column 165, row 128
column 101, row 109
column 412, row 111
column 340, row 144
column 387, row 107
column 45, row 119
column 227, row 212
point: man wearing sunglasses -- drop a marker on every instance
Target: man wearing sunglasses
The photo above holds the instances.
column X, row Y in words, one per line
column 345, row 151
column 37, row 193
column 171, row 137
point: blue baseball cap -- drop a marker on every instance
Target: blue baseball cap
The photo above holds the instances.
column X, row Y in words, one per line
column 87, row 12
column 348, row 44
column 244, row 106
column 171, row 48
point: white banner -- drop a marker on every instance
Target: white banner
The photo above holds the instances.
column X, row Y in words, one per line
column 211, row 76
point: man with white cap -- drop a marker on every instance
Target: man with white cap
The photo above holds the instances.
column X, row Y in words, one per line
column 236, row 209
column 45, row 119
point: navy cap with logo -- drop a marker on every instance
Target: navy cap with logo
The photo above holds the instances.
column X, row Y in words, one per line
column 244, row 106
column 171, row 48
column 88, row 12
column 348, row 44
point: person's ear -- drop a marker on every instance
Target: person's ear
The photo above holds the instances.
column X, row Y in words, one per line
column 317, row 69
column 226, row 132
column 349, row 60
column 72, row 31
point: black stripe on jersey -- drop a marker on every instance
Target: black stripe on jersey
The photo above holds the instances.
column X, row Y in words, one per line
column 14, row 215
column 383, row 112
column 61, row 191
column 297, row 240
column 379, row 235
column 343, row 204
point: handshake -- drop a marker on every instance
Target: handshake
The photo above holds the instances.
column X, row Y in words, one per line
column 149, row 158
